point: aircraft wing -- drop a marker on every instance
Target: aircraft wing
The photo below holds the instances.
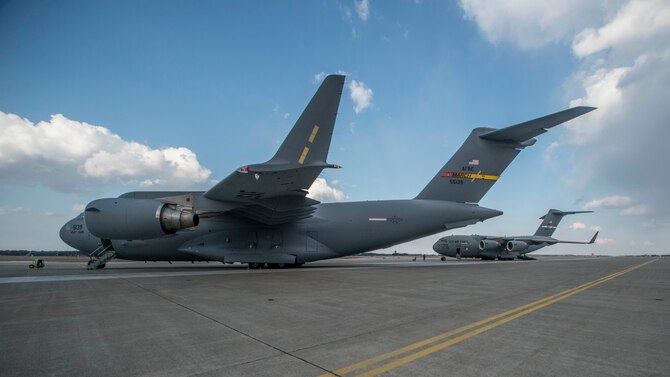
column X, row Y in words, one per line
column 534, row 240
column 274, row 192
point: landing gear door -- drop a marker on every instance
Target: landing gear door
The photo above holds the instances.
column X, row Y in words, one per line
column 277, row 240
column 252, row 240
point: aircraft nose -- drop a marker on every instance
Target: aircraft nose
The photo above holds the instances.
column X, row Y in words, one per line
column 64, row 234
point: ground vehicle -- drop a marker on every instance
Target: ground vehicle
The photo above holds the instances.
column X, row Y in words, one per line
column 36, row 263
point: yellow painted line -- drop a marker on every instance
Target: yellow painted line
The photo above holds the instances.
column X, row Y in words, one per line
column 510, row 315
column 434, row 339
column 303, row 155
column 313, row 135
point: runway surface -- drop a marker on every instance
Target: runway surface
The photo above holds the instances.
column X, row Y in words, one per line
column 555, row 316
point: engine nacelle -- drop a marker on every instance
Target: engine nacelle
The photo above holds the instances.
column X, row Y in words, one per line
column 488, row 245
column 516, row 246
column 135, row 219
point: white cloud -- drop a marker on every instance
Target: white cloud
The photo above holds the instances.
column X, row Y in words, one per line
column 613, row 201
column 635, row 22
column 605, row 241
column 602, row 89
column 66, row 155
column 276, row 110
column 648, row 243
column 640, row 209
column 550, row 152
column 321, row 191
column 318, row 77
column 595, row 228
column 657, row 223
column 576, row 226
column 361, row 95
column 49, row 213
column 362, row 9
column 78, row 207
column 12, row 210
column 529, row 23
column 623, row 54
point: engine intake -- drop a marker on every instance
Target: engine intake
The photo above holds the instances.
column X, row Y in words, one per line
column 488, row 245
column 136, row 219
column 516, row 246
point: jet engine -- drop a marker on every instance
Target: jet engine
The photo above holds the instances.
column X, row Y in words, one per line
column 488, row 245
column 516, row 246
column 136, row 219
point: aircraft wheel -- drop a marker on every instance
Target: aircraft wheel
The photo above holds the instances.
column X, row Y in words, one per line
column 101, row 266
column 443, row 259
column 296, row 265
column 256, row 266
column 280, row 265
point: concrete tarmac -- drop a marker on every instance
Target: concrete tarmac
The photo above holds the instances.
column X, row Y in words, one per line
column 556, row 316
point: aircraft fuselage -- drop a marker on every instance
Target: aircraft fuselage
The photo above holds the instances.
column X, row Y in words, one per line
column 334, row 230
column 469, row 247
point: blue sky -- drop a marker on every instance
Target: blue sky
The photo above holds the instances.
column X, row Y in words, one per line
column 226, row 81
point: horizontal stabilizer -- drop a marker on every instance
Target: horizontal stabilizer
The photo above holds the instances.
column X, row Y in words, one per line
column 528, row 130
column 563, row 213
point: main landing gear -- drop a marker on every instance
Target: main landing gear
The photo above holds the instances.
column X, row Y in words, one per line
column 256, row 266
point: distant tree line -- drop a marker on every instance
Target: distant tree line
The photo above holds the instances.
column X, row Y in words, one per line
column 41, row 253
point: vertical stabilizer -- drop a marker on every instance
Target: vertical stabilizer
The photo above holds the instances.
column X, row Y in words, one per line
column 472, row 170
column 551, row 219
column 485, row 154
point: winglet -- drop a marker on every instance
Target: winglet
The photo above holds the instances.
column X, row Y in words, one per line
column 594, row 238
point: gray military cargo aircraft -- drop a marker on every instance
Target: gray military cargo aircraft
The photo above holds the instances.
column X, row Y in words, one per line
column 260, row 214
column 506, row 247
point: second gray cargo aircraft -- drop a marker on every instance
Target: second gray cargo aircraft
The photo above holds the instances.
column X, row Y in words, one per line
column 506, row 247
column 260, row 214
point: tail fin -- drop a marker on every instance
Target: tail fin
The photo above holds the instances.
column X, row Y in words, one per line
column 309, row 140
column 485, row 154
column 551, row 219
column 594, row 238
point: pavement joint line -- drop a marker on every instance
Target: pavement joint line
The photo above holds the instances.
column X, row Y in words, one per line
column 227, row 326
column 387, row 355
column 501, row 318
column 209, row 272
